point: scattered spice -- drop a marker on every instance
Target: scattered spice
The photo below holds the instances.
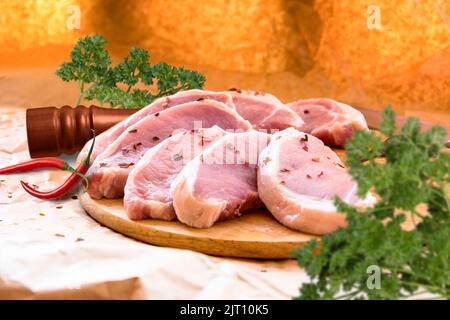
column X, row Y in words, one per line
column 79, row 239
column 267, row 160
column 155, row 138
column 177, row 157
column 42, row 214
column 10, row 195
column 200, row 99
column 133, row 131
column 308, row 176
column 305, row 111
column 103, row 164
column 236, row 90
column 136, row 145
column 320, row 174
column 285, row 170
column 304, row 138
column 282, row 182
column 230, row 146
column 315, row 159
column 59, row 206
column 59, row 235
column 74, row 197
column 339, row 165
column 125, row 151
column 126, row 165
column 305, row 148
column 156, row 114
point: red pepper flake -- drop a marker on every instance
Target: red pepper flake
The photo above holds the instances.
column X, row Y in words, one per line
column 59, row 235
column 59, row 206
column 305, row 148
column 103, row 164
column 315, row 159
column 308, row 176
column 79, row 239
column 339, row 165
column 200, row 99
column 236, row 90
column 267, row 160
column 126, row 165
column 285, row 170
column 156, row 114
column 282, row 182
column 155, row 138
column 320, row 174
column 305, row 111
column 328, row 158
column 133, row 131
column 74, row 197
column 125, row 151
column 304, row 138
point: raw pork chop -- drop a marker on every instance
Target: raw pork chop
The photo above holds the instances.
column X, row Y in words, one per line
column 109, row 171
column 331, row 121
column 220, row 183
column 147, row 192
column 264, row 111
column 103, row 140
column 298, row 179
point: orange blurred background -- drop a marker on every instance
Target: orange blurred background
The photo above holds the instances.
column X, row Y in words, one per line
column 291, row 48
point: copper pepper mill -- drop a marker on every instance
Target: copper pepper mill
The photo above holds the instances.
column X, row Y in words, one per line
column 53, row 131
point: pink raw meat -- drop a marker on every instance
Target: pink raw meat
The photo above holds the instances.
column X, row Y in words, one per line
column 298, row 179
column 109, row 172
column 331, row 121
column 147, row 191
column 103, row 140
column 220, row 183
column 264, row 111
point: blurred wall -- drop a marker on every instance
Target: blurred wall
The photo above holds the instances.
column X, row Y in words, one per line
column 292, row 48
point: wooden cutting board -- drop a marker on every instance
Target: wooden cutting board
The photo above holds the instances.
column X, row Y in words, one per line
column 254, row 235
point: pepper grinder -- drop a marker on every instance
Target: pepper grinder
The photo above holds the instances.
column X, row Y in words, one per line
column 53, row 131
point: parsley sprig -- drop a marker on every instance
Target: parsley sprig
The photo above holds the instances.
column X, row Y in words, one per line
column 413, row 180
column 90, row 67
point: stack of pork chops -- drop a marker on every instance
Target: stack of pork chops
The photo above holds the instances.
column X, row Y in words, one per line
column 201, row 157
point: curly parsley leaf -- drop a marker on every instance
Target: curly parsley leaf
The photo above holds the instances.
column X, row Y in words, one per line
column 412, row 182
column 125, row 84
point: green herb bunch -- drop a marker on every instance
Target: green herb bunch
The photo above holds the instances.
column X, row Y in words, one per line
column 90, row 66
column 413, row 180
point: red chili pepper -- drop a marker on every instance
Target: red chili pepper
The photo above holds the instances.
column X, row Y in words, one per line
column 36, row 164
column 75, row 177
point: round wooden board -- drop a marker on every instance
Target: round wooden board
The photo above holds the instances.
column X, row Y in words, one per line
column 253, row 235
